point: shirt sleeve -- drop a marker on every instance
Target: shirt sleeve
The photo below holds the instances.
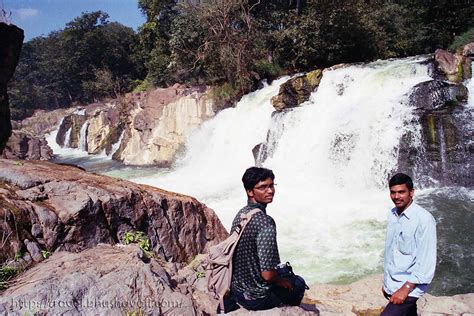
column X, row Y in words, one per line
column 425, row 265
column 267, row 248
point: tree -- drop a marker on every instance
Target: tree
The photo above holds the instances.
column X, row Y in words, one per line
column 72, row 65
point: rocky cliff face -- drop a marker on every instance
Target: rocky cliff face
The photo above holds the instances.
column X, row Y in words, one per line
column 49, row 207
column 446, row 151
column 140, row 129
column 11, row 38
column 27, row 141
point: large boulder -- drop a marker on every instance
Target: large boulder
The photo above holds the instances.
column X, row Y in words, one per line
column 11, row 39
column 104, row 280
column 25, row 146
column 455, row 67
column 436, row 95
column 160, row 122
column 297, row 90
column 28, row 141
column 445, row 150
column 65, row 208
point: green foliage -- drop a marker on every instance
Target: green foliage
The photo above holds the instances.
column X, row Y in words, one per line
column 461, row 40
column 142, row 85
column 6, row 274
column 46, row 254
column 228, row 44
column 267, row 69
column 90, row 59
column 140, row 239
column 224, row 93
column 200, row 274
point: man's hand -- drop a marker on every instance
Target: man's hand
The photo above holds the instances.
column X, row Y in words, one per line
column 273, row 278
column 400, row 296
column 284, row 283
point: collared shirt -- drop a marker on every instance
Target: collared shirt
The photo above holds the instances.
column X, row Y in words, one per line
column 256, row 251
column 410, row 250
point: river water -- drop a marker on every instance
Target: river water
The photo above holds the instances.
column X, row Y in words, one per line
column 332, row 158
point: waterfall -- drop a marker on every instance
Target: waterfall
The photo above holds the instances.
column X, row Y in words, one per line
column 64, row 152
column 67, row 138
column 331, row 158
column 83, row 136
column 116, row 145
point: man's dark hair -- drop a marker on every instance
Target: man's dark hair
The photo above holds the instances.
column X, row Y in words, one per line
column 401, row 178
column 254, row 175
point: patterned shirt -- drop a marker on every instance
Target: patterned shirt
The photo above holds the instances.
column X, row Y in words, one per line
column 256, row 251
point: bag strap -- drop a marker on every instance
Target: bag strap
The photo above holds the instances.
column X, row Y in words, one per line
column 244, row 220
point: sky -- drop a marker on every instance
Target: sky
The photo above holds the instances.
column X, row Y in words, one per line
column 40, row 17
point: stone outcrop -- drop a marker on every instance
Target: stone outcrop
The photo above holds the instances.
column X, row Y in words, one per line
column 11, row 39
column 159, row 125
column 437, row 95
column 61, row 207
column 296, row 90
column 27, row 141
column 25, row 146
column 364, row 297
column 41, row 122
column 468, row 50
column 446, row 154
column 104, row 280
column 454, row 66
column 140, row 129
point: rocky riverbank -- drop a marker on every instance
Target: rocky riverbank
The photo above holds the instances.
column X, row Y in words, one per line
column 84, row 243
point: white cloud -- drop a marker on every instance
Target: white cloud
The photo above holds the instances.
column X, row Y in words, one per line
column 26, row 13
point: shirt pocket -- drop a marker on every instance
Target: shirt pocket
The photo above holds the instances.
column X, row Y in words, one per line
column 406, row 243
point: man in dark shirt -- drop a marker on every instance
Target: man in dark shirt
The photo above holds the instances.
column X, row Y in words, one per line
column 256, row 284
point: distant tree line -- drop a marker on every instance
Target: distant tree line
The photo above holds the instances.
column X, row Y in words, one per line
column 229, row 44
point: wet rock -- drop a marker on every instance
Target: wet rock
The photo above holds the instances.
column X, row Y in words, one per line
column 77, row 210
column 445, row 153
column 297, row 90
column 468, row 50
column 11, row 38
column 70, row 130
column 455, row 67
column 436, row 95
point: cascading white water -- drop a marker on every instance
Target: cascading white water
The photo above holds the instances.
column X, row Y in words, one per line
column 116, row 146
column 67, row 138
column 83, row 137
column 331, row 165
column 64, row 152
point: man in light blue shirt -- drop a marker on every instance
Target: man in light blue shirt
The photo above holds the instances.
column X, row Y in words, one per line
column 410, row 249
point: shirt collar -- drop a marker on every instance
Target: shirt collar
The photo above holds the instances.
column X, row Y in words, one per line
column 408, row 212
column 256, row 205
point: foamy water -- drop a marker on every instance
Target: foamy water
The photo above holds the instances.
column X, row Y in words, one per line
column 331, row 165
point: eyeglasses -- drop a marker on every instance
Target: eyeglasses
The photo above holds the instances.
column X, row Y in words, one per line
column 265, row 187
